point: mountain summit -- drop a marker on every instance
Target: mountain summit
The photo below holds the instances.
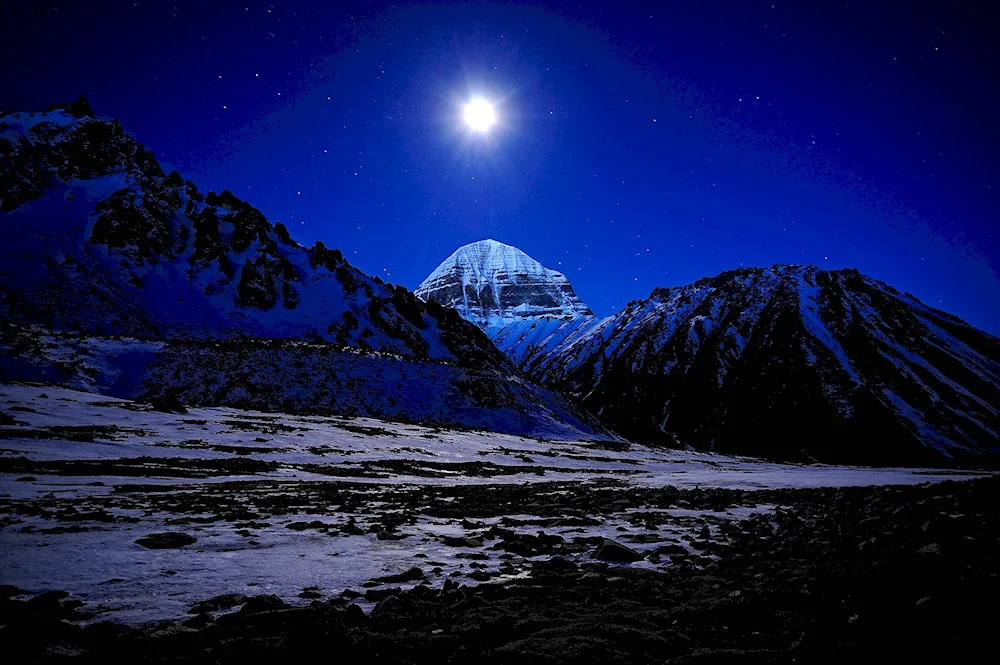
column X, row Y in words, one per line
column 493, row 284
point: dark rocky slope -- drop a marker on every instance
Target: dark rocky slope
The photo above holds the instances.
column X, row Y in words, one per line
column 790, row 363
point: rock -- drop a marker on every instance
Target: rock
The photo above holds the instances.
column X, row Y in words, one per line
column 302, row 526
column 463, row 541
column 388, row 535
column 672, row 550
column 309, row 594
column 198, row 621
column 223, row 602
column 353, row 615
column 48, row 602
column 411, row 575
column 481, row 575
column 9, row 591
column 609, row 550
column 166, row 541
column 931, row 549
column 264, row 603
column 375, row 595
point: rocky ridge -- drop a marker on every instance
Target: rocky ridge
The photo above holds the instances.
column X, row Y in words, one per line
column 103, row 243
column 790, row 362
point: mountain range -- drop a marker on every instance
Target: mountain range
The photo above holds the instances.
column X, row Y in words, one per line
column 121, row 278
column 789, row 362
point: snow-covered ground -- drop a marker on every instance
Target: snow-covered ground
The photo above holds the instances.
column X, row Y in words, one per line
column 308, row 506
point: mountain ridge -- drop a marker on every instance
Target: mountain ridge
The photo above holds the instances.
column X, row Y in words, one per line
column 103, row 243
column 787, row 362
column 790, row 361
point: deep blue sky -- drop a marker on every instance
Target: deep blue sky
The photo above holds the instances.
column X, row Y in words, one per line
column 639, row 146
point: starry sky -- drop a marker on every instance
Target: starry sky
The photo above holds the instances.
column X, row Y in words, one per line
column 638, row 145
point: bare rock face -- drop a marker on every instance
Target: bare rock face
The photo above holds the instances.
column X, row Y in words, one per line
column 493, row 284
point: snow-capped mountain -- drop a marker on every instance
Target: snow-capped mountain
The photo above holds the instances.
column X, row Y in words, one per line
column 790, row 362
column 493, row 284
column 101, row 243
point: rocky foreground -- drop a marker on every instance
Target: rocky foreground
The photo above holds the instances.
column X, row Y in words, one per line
column 849, row 574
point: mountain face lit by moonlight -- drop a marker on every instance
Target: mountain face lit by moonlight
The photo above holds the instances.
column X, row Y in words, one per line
column 271, row 385
column 492, row 284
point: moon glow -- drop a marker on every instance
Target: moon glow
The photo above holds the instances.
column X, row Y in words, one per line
column 479, row 115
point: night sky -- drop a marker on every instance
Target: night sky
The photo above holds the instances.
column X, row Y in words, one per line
column 636, row 146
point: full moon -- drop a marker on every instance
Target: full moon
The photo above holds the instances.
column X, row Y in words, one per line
column 479, row 115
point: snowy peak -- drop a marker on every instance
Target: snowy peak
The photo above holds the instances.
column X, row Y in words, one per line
column 493, row 284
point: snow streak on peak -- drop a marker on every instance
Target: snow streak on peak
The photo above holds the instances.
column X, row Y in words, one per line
column 492, row 284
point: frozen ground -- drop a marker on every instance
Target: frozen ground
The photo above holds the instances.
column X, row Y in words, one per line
column 310, row 507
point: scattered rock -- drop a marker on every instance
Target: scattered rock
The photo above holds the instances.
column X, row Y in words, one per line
column 166, row 541
column 411, row 575
column 389, row 535
column 223, row 602
column 461, row 541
